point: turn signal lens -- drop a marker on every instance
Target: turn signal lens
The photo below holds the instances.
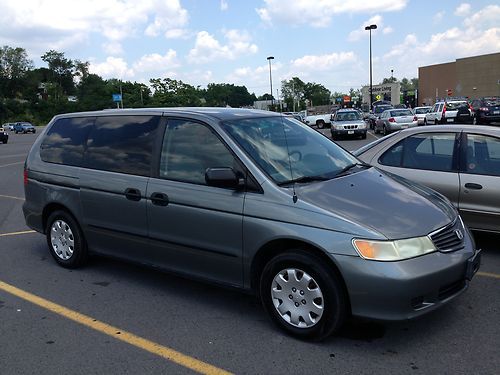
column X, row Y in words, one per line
column 394, row 250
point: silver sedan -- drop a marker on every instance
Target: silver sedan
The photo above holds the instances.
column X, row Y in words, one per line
column 395, row 119
column 461, row 162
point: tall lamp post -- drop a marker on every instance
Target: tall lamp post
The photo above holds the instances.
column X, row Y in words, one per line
column 370, row 28
column 269, row 58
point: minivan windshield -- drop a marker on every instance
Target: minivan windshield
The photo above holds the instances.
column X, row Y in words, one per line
column 289, row 151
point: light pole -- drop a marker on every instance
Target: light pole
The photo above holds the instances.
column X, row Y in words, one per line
column 370, row 28
column 392, row 71
column 269, row 58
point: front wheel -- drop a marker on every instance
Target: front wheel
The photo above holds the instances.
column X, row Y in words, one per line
column 320, row 124
column 302, row 295
column 65, row 240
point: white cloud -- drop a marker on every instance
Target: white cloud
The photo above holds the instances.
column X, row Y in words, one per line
column 113, row 48
column 438, row 17
column 360, row 31
column 323, row 62
column 155, row 62
column 113, row 67
column 463, row 10
column 223, row 5
column 387, row 30
column 320, row 13
column 177, row 34
column 486, row 17
column 207, row 48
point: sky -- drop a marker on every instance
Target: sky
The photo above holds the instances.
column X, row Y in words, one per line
column 228, row 41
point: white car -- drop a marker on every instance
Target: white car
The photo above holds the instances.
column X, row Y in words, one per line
column 450, row 111
column 420, row 113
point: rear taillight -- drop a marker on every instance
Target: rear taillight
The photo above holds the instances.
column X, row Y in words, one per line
column 392, row 119
column 25, row 176
column 471, row 109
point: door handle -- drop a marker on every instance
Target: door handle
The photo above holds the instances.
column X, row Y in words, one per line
column 133, row 194
column 470, row 185
column 159, row 199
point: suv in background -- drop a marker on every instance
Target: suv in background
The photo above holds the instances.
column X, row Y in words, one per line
column 486, row 110
column 348, row 122
column 450, row 111
column 4, row 136
column 24, row 127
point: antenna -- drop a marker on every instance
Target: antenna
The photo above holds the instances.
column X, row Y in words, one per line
column 295, row 198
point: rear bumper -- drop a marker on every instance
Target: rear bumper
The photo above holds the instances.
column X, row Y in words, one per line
column 4, row 137
column 488, row 118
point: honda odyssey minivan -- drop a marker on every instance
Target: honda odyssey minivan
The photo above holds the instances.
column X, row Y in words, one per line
column 249, row 199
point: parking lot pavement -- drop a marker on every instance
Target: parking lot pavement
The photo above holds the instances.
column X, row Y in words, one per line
column 113, row 317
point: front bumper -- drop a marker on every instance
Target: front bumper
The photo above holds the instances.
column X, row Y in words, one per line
column 410, row 288
column 348, row 132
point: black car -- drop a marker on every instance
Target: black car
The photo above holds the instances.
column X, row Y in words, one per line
column 4, row 136
column 487, row 109
column 24, row 127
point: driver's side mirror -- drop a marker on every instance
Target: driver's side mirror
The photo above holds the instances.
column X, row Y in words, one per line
column 223, row 177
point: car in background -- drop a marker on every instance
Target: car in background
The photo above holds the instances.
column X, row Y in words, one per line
column 377, row 111
column 348, row 122
column 4, row 136
column 395, row 119
column 420, row 113
column 461, row 162
column 24, row 127
column 400, row 106
column 486, row 110
column 8, row 126
column 450, row 111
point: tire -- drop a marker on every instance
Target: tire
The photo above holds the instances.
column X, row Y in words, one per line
column 5, row 141
column 384, row 131
column 375, row 130
column 320, row 124
column 363, row 136
column 334, row 137
column 425, row 122
column 322, row 292
column 65, row 240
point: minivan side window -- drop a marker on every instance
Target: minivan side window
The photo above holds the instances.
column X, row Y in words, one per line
column 189, row 148
column 122, row 144
column 65, row 141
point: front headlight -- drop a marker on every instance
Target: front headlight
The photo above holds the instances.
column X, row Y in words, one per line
column 339, row 127
column 393, row 250
column 362, row 126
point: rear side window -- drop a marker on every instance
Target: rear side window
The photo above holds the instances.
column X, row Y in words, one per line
column 65, row 141
column 122, row 144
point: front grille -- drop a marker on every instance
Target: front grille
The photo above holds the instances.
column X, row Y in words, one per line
column 350, row 127
column 449, row 238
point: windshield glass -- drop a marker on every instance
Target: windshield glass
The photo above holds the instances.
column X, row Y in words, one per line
column 456, row 105
column 309, row 153
column 421, row 111
column 348, row 116
column 401, row 112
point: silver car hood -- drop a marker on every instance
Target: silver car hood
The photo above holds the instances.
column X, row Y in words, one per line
column 354, row 122
column 391, row 206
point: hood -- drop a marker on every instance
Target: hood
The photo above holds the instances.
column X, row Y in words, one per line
column 395, row 208
column 353, row 122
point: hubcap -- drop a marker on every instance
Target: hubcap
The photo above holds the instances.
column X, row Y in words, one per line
column 61, row 239
column 297, row 297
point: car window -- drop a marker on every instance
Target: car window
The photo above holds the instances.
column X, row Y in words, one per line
column 65, row 141
column 393, row 156
column 189, row 148
column 431, row 151
column 348, row 116
column 483, row 155
column 421, row 111
column 401, row 112
column 456, row 105
column 122, row 144
column 440, row 108
column 434, row 109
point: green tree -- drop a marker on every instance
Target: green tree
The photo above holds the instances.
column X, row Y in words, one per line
column 317, row 93
column 14, row 65
column 293, row 92
column 62, row 71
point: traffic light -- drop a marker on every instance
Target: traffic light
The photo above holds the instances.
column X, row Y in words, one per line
column 449, row 92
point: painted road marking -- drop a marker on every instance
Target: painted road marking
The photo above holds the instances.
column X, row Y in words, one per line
column 17, row 233
column 11, row 197
column 6, row 165
column 489, row 274
column 373, row 135
column 117, row 333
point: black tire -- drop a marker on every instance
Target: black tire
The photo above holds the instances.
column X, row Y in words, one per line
column 320, row 124
column 363, row 136
column 334, row 137
column 384, row 131
column 334, row 299
column 425, row 122
column 79, row 249
column 4, row 141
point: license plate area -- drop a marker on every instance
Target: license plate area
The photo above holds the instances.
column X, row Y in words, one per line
column 350, row 132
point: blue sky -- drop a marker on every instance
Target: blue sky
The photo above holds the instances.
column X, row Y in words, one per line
column 227, row 41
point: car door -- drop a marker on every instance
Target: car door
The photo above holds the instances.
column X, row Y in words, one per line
column 113, row 181
column 195, row 228
column 480, row 181
column 428, row 158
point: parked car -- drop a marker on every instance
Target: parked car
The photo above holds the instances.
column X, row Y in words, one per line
column 486, row 110
column 400, row 106
column 451, row 111
column 348, row 122
column 4, row 136
column 24, row 127
column 249, row 199
column 420, row 113
column 377, row 111
column 459, row 161
column 8, row 126
column 395, row 119
column 320, row 121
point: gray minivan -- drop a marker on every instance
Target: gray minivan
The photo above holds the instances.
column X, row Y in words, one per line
column 249, row 199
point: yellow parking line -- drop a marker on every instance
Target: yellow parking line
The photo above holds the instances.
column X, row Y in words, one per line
column 117, row 333
column 6, row 165
column 17, row 233
column 489, row 274
column 11, row 197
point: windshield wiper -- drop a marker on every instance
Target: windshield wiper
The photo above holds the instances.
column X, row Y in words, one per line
column 303, row 179
column 351, row 166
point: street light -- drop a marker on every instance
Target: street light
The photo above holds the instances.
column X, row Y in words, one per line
column 269, row 58
column 392, row 71
column 370, row 28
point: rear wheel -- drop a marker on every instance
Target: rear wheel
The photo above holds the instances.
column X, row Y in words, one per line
column 384, row 131
column 302, row 295
column 320, row 124
column 65, row 240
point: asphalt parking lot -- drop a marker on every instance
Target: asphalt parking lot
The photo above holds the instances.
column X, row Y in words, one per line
column 112, row 317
